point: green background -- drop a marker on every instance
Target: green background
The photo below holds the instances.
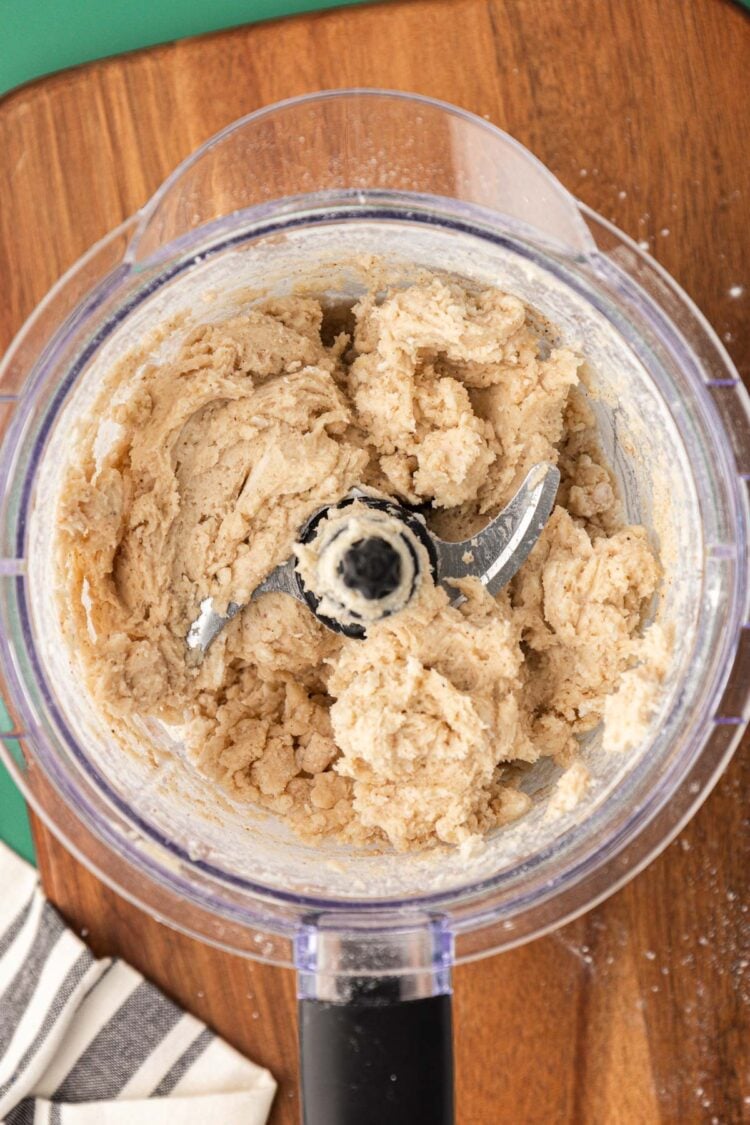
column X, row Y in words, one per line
column 14, row 823
column 39, row 36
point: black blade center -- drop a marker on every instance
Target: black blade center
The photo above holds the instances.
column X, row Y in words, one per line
column 372, row 567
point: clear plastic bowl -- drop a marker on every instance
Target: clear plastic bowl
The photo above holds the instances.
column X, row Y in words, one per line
column 297, row 193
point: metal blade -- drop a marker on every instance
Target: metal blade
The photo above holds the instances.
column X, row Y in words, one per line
column 495, row 553
column 208, row 624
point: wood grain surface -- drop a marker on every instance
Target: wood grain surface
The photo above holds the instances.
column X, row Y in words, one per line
column 635, row 1014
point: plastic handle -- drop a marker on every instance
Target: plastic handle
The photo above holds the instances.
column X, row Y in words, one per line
column 377, row 1059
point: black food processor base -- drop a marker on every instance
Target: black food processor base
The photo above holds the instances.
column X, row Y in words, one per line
column 370, row 1063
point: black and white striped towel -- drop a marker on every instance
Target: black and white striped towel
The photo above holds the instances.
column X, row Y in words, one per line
column 87, row 1042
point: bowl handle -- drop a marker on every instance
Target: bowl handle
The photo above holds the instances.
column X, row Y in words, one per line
column 377, row 1059
column 375, row 1022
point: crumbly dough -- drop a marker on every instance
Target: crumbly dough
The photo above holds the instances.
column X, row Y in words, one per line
column 433, row 394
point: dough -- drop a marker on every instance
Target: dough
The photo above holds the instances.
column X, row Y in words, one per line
column 436, row 395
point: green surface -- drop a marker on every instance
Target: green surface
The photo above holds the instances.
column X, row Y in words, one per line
column 14, row 821
column 41, row 36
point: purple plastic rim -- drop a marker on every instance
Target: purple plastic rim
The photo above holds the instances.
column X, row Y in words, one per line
column 434, row 901
column 261, row 890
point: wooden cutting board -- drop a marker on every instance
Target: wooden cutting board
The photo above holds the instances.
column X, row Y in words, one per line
column 637, row 1013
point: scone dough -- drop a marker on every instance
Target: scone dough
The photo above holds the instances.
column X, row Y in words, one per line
column 215, row 460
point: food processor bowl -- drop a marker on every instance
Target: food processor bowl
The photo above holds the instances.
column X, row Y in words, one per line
column 315, row 194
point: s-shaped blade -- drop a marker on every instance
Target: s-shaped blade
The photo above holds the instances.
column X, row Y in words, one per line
column 496, row 553
column 493, row 555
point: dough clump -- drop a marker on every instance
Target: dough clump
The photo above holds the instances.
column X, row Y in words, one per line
column 215, row 458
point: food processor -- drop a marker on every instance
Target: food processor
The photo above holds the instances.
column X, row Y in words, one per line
column 313, row 194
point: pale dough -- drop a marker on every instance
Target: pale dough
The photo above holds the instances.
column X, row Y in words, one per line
column 414, row 735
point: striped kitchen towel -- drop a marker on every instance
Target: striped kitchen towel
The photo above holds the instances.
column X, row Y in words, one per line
column 87, row 1042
